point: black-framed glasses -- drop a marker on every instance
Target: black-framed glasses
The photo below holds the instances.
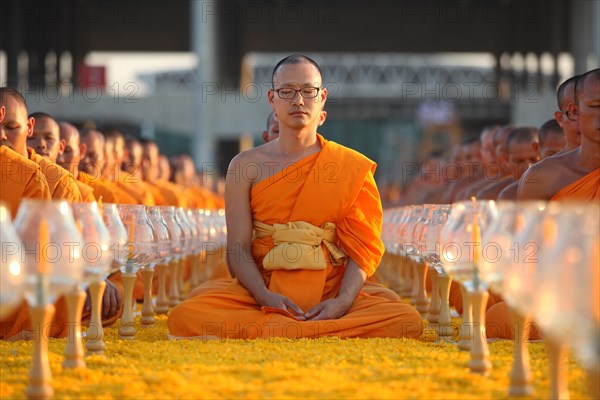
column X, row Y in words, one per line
column 289, row 93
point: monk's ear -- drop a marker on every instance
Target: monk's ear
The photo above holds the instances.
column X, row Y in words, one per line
column 2, row 112
column 61, row 146
column 558, row 118
column 265, row 136
column 324, row 93
column 573, row 112
column 271, row 95
column 322, row 118
column 82, row 150
column 30, row 125
column 536, row 147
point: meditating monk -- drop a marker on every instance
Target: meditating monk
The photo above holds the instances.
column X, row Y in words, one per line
column 579, row 167
column 19, row 177
column 565, row 96
column 170, row 193
column 17, row 128
column 467, row 167
column 222, row 276
column 493, row 171
column 128, row 181
column 70, row 159
column 46, row 141
column 552, row 141
column 198, row 195
column 522, row 151
column 575, row 176
column 91, row 166
column 272, row 131
column 316, row 213
column 18, row 325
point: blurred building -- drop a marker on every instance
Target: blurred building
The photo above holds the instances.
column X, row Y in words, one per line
column 404, row 77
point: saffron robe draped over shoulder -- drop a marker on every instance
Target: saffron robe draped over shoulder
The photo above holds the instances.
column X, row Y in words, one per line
column 586, row 188
column 102, row 188
column 60, row 181
column 335, row 185
column 20, row 178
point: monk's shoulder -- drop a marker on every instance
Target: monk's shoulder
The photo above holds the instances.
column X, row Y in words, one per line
column 545, row 178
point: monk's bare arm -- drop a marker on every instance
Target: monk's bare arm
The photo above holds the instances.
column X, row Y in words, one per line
column 239, row 235
column 537, row 183
column 352, row 282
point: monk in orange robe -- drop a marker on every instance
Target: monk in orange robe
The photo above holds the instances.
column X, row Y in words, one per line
column 70, row 157
column 19, row 177
column 575, row 175
column 552, row 141
column 91, row 164
column 315, row 291
column 128, row 181
column 522, row 151
column 18, row 325
column 18, row 127
column 151, row 173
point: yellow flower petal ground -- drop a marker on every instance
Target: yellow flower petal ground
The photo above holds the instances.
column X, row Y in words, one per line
column 154, row 367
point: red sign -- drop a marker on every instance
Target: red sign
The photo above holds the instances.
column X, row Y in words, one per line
column 90, row 75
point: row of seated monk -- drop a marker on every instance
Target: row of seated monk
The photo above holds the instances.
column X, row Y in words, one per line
column 46, row 159
column 296, row 302
column 515, row 162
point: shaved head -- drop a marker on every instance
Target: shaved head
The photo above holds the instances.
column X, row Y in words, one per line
column 72, row 151
column 292, row 60
column 94, row 160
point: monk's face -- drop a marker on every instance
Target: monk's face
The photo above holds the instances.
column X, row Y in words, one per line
column 487, row 146
column 133, row 157
column 150, row 162
column 15, row 127
column 119, row 150
column 587, row 110
column 470, row 155
column 555, row 141
column 45, row 139
column 298, row 112
column 272, row 133
column 71, row 155
column 93, row 162
column 520, row 156
column 570, row 126
column 164, row 168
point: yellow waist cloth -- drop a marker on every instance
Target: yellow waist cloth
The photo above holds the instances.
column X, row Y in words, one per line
column 300, row 245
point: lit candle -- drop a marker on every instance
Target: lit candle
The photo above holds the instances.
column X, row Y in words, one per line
column 476, row 239
column 131, row 237
column 44, row 240
column 475, row 234
column 100, row 207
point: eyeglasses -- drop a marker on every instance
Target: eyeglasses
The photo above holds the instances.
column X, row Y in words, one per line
column 289, row 93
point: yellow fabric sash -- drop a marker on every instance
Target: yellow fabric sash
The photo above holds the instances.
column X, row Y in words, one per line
column 297, row 245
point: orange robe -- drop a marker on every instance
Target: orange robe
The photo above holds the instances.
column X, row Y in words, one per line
column 102, row 189
column 20, row 178
column 156, row 193
column 134, row 188
column 586, row 189
column 173, row 195
column 61, row 182
column 87, row 192
column 295, row 194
